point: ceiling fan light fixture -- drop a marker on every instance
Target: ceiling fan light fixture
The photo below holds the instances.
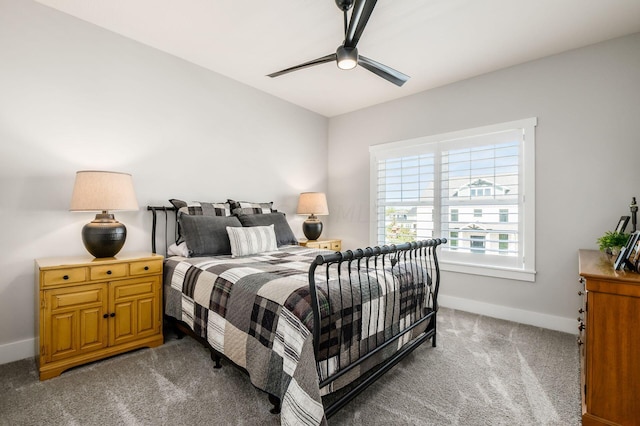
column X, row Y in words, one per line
column 347, row 57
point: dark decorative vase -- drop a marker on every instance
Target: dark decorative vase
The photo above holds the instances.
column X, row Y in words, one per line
column 104, row 236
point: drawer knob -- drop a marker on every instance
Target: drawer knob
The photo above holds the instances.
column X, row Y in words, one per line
column 66, row 277
column 109, row 272
column 146, row 268
column 105, row 316
column 112, row 314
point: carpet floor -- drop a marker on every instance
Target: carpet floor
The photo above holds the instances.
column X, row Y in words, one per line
column 484, row 371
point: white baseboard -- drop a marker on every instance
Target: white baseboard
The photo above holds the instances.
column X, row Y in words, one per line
column 15, row 351
column 552, row 322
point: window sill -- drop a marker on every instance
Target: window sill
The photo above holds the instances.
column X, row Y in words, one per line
column 488, row 271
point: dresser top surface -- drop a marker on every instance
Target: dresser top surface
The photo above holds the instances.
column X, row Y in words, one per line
column 596, row 264
column 61, row 261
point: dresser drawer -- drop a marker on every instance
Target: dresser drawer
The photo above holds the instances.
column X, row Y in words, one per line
column 146, row 267
column 105, row 272
column 64, row 276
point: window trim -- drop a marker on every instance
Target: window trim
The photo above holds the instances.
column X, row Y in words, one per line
column 527, row 183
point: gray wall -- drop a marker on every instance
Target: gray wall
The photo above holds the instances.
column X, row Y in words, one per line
column 76, row 97
column 588, row 106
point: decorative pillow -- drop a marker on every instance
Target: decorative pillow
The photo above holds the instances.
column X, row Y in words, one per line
column 201, row 208
column 245, row 207
column 284, row 234
column 252, row 240
column 207, row 235
column 178, row 250
column 197, row 208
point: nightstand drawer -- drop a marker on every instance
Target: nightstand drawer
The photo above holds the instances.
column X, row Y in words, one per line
column 75, row 296
column 336, row 245
column 108, row 271
column 146, row 267
column 64, row 276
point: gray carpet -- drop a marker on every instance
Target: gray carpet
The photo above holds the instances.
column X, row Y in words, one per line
column 483, row 372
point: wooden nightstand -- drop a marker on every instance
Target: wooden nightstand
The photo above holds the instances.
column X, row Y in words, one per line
column 91, row 308
column 328, row 244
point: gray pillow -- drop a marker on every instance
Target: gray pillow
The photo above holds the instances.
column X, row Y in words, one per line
column 284, row 234
column 207, row 235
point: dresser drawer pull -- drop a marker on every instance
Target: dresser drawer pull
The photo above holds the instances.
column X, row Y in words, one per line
column 66, row 277
column 105, row 316
column 146, row 268
column 112, row 314
column 109, row 272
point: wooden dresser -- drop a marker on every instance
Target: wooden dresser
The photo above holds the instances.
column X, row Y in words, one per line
column 609, row 342
column 94, row 308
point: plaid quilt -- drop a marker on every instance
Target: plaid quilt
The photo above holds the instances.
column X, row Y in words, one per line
column 256, row 311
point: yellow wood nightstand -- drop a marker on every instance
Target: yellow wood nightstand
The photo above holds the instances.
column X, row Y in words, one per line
column 94, row 308
column 328, row 244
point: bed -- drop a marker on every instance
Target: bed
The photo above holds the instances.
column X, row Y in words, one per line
column 312, row 328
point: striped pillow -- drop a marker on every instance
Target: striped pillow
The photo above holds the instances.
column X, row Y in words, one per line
column 252, row 240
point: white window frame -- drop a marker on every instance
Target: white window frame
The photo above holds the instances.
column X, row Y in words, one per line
column 461, row 262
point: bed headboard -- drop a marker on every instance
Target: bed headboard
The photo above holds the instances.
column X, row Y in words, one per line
column 154, row 210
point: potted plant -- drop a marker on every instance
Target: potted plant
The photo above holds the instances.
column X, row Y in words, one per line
column 611, row 242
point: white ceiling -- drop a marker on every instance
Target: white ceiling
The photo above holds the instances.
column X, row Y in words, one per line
column 436, row 42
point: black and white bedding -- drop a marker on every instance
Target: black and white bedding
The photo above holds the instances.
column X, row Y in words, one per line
column 246, row 291
column 256, row 311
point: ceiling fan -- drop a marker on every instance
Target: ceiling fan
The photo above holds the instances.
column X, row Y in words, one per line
column 346, row 55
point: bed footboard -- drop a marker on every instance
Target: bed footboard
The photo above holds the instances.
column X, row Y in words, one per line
column 371, row 308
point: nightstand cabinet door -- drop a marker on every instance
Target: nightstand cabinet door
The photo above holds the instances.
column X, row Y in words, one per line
column 74, row 321
column 136, row 307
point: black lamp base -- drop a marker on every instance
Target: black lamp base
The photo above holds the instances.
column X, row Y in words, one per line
column 312, row 228
column 104, row 236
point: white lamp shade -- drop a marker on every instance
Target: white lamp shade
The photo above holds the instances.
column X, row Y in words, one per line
column 313, row 203
column 103, row 191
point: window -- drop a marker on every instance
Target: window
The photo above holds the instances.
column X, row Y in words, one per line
column 477, row 243
column 503, row 245
column 453, row 239
column 504, row 215
column 475, row 187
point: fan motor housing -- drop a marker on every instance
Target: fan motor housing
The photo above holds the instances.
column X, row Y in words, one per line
column 344, row 5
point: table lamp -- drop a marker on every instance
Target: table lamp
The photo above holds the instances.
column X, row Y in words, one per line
column 312, row 203
column 103, row 191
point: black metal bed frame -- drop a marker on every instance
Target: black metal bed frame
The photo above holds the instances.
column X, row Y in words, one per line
column 352, row 270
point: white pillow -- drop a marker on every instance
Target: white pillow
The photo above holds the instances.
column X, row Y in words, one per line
column 178, row 250
column 251, row 240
